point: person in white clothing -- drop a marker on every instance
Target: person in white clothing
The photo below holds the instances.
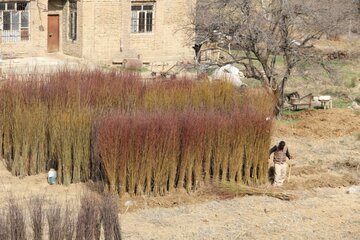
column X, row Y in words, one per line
column 52, row 176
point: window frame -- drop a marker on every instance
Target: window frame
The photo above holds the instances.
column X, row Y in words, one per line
column 73, row 20
column 139, row 23
column 11, row 32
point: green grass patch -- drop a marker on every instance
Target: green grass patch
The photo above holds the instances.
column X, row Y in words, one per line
column 351, row 83
column 335, row 92
column 341, row 103
column 143, row 69
column 347, row 72
column 357, row 135
column 136, row 70
column 291, row 121
column 252, row 82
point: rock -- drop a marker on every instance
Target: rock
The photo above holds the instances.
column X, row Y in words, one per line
column 229, row 73
column 353, row 189
column 355, row 105
column 129, row 203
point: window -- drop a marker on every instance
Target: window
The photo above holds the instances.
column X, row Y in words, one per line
column 73, row 20
column 142, row 17
column 14, row 21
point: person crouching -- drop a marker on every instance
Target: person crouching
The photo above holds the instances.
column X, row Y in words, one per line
column 52, row 176
column 281, row 152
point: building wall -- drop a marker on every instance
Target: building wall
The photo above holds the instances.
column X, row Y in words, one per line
column 37, row 44
column 72, row 47
column 104, row 31
column 101, row 29
column 167, row 43
column 107, row 32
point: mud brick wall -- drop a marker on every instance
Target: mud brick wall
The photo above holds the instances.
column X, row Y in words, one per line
column 104, row 32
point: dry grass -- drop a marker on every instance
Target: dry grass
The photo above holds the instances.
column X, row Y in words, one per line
column 229, row 190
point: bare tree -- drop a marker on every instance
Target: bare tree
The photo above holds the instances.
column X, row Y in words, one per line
column 260, row 32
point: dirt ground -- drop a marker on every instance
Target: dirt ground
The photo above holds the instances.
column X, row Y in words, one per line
column 326, row 165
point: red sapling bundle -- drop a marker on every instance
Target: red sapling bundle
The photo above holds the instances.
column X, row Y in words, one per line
column 156, row 152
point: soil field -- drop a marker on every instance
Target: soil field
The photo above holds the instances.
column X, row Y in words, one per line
column 327, row 162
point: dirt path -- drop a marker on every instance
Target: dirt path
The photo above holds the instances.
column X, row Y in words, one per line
column 322, row 214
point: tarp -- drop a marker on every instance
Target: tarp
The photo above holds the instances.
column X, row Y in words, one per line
column 324, row 98
column 229, row 73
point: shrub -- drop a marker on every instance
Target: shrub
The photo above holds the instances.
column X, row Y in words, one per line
column 357, row 99
column 55, row 120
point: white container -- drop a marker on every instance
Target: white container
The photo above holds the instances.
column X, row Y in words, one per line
column 325, row 98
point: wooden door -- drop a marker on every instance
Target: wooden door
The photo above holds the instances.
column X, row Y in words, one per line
column 53, row 33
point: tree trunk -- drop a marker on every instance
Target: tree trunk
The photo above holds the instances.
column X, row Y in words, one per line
column 279, row 107
column 279, row 93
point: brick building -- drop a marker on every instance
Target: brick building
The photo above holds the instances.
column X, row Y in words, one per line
column 102, row 31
